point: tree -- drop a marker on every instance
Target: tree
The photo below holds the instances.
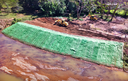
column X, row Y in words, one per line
column 8, row 3
column 125, row 7
column 108, row 8
column 83, row 4
column 52, row 7
column 91, row 6
column 30, row 4
column 118, row 6
column 101, row 7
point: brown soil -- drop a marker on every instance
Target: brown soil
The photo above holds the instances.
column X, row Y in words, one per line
column 74, row 28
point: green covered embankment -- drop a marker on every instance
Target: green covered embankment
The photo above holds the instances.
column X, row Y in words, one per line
column 99, row 51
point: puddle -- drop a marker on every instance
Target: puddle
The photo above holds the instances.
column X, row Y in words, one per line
column 33, row 64
column 7, row 77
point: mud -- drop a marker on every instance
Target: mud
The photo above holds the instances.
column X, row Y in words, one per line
column 33, row 64
column 7, row 77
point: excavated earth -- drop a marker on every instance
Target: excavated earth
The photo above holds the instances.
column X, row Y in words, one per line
column 78, row 28
column 20, row 62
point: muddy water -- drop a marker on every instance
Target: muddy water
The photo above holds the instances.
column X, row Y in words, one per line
column 7, row 77
column 33, row 64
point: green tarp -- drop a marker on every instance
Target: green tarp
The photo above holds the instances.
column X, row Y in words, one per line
column 99, row 51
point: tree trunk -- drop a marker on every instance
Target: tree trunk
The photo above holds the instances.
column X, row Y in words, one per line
column 108, row 13
column 0, row 7
column 101, row 14
column 77, row 13
column 113, row 13
column 102, row 11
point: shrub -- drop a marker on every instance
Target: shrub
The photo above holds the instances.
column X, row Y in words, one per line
column 52, row 7
column 15, row 20
column 17, row 9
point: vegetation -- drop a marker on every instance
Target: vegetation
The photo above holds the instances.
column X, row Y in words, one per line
column 10, row 5
column 125, row 57
column 84, row 6
column 76, row 8
column 15, row 20
column 52, row 8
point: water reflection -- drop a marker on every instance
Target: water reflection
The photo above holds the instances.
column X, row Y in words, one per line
column 34, row 64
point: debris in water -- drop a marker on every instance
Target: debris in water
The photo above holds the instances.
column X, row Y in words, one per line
column 19, row 61
column 6, row 69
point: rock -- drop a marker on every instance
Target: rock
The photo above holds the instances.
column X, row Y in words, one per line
column 126, row 23
column 1, row 27
column 5, row 23
column 120, row 20
column 84, row 16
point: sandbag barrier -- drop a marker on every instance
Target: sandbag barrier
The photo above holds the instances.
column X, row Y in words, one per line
column 99, row 51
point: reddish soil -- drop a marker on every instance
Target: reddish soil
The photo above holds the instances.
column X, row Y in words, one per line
column 74, row 28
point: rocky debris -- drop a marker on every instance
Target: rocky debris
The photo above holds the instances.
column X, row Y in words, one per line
column 5, row 23
column 1, row 27
column 4, row 68
column 126, row 23
column 34, row 77
column 120, row 20
column 19, row 61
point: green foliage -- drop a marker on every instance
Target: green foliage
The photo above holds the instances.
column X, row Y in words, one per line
column 51, row 8
column 15, row 20
column 105, row 11
column 70, row 18
column 101, row 8
column 80, row 19
column 71, row 8
column 29, row 4
column 16, row 9
column 8, row 10
column 90, row 6
column 9, row 2
column 125, row 62
column 84, row 6
column 125, row 56
column 126, row 44
column 119, row 12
